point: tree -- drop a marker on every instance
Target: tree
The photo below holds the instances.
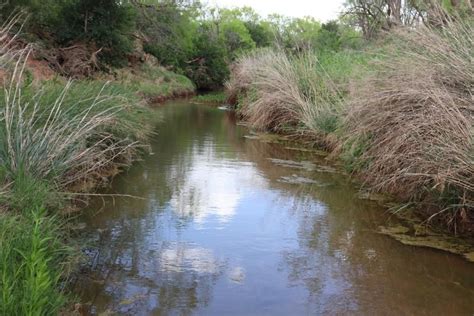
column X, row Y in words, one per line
column 329, row 37
column 260, row 32
column 208, row 68
column 167, row 28
column 302, row 33
column 45, row 15
column 373, row 16
column 235, row 35
column 107, row 24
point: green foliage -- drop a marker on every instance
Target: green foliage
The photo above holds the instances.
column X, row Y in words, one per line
column 183, row 35
column 209, row 67
column 329, row 37
column 217, row 97
column 169, row 28
column 301, row 33
column 107, row 24
column 154, row 81
column 31, row 263
column 233, row 31
column 352, row 154
column 343, row 66
column 236, row 38
column 47, row 13
column 260, row 33
column 27, row 192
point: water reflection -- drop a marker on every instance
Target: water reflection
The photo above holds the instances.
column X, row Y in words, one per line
column 211, row 186
column 179, row 258
column 231, row 225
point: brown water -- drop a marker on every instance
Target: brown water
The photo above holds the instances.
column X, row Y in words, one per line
column 229, row 225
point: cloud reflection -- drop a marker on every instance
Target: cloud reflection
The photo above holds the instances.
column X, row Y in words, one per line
column 212, row 187
column 183, row 257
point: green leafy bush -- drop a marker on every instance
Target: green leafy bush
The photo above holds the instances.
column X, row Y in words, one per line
column 209, row 68
column 106, row 24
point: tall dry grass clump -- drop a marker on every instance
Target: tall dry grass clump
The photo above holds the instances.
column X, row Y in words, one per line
column 262, row 81
column 411, row 121
column 280, row 93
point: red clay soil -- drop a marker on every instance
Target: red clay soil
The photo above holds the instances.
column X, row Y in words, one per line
column 40, row 69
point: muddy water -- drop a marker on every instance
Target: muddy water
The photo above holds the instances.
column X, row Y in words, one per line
column 230, row 225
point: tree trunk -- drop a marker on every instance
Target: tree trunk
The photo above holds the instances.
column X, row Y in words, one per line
column 395, row 7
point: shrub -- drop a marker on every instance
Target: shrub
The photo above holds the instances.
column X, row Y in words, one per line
column 209, row 66
column 47, row 13
column 106, row 24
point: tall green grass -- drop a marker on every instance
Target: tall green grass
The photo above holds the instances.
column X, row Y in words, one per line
column 53, row 138
column 216, row 97
column 63, row 134
column 50, row 140
column 32, row 258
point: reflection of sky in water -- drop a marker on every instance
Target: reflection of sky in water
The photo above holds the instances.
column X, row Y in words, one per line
column 181, row 258
column 213, row 186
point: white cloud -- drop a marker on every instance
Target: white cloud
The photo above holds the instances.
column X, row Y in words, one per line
column 322, row 10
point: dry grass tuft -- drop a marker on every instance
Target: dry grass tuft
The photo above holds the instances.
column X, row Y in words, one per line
column 285, row 94
column 414, row 118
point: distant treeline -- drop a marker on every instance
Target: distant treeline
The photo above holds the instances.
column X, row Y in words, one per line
column 185, row 35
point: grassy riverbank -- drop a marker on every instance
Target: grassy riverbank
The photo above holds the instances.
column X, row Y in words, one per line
column 59, row 140
column 216, row 97
column 398, row 114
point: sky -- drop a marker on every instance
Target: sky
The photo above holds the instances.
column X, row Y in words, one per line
column 323, row 10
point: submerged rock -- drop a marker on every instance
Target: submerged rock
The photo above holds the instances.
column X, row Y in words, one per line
column 313, row 151
column 267, row 138
column 430, row 239
column 237, row 275
column 306, row 165
column 295, row 179
column 224, row 108
column 372, row 196
column 469, row 256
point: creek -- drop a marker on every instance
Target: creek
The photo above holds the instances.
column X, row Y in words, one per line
column 226, row 224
